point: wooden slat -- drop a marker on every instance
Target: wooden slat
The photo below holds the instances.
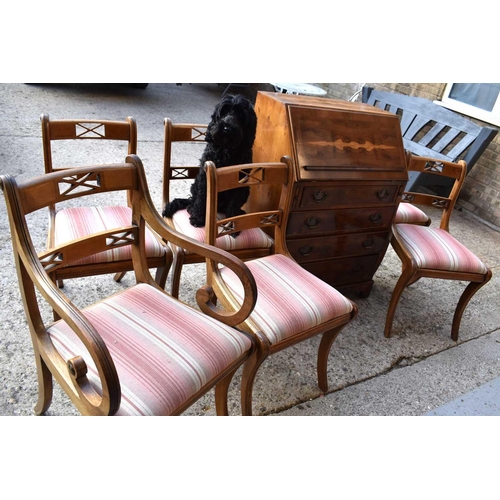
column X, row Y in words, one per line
column 432, row 134
column 445, row 141
column 459, row 149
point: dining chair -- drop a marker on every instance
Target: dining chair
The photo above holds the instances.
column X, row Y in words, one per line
column 70, row 223
column 292, row 304
column 249, row 244
column 139, row 351
column 432, row 252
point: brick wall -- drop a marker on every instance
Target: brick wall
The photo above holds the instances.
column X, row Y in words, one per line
column 481, row 191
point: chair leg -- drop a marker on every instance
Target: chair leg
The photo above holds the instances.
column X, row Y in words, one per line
column 250, row 369
column 119, row 276
column 178, row 262
column 162, row 272
column 325, row 345
column 45, row 386
column 402, row 283
column 161, row 276
column 465, row 298
column 221, row 391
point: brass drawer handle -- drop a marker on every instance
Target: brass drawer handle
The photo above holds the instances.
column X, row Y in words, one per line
column 383, row 193
column 376, row 218
column 312, row 222
column 369, row 243
column 306, row 250
column 319, row 196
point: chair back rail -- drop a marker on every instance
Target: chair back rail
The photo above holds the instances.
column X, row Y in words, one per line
column 44, row 191
column 56, row 130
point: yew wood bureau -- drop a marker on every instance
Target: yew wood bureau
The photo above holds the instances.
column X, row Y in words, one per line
column 349, row 172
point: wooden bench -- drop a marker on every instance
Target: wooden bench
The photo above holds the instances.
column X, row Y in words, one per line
column 431, row 130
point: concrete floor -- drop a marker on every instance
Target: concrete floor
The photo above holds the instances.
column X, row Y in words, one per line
column 420, row 371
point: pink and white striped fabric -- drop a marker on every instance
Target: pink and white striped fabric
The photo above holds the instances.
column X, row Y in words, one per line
column 163, row 350
column 249, row 238
column 290, row 299
column 410, row 214
column 73, row 223
column 434, row 248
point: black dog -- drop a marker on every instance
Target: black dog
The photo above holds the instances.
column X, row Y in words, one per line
column 230, row 136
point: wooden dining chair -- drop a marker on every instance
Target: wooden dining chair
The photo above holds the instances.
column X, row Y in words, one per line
column 292, row 304
column 432, row 252
column 70, row 223
column 139, row 351
column 249, row 244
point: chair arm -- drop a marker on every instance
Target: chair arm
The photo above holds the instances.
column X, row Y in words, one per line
column 109, row 402
column 204, row 296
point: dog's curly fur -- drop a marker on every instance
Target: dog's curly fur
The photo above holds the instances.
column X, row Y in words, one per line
column 230, row 136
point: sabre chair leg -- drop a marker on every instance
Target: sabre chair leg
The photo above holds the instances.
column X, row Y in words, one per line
column 162, row 273
column 250, row 369
column 119, row 276
column 325, row 345
column 465, row 298
column 178, row 262
column 161, row 276
column 45, row 386
column 401, row 284
column 221, row 391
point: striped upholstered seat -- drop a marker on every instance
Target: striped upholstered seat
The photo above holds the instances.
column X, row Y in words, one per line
column 410, row 214
column 435, row 248
column 249, row 238
column 290, row 299
column 162, row 361
column 74, row 223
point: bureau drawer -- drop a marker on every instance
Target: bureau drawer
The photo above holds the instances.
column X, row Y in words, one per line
column 339, row 272
column 328, row 221
column 311, row 249
column 321, row 196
